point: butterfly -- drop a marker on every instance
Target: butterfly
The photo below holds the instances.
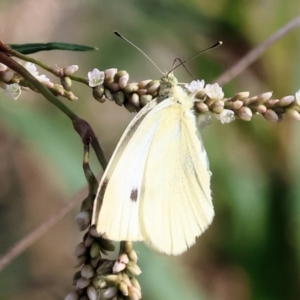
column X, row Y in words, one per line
column 156, row 187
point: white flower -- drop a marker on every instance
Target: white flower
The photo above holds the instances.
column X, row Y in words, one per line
column 203, row 119
column 42, row 78
column 214, row 91
column 226, row 116
column 297, row 95
column 95, row 77
column 195, row 85
column 13, row 90
column 31, row 68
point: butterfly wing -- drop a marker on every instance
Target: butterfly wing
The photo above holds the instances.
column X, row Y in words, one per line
column 120, row 189
column 176, row 204
column 129, row 131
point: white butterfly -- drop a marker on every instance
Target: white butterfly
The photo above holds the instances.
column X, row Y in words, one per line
column 156, row 187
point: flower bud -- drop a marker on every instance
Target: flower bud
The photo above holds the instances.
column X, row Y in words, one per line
column 132, row 256
column 135, row 283
column 110, row 73
column 7, row 75
column 79, row 261
column 72, row 296
column 271, row 116
column 134, row 293
column 95, row 262
column 112, row 279
column 3, row 67
column 240, row 96
column 287, row 100
column 121, row 77
column 126, row 279
column 217, row 106
column 87, row 271
column 142, row 84
column 123, row 288
column 293, row 113
column 70, row 70
column 271, row 102
column 95, row 250
column 118, row 267
column 80, row 249
column 261, row 109
column 82, row 283
column 201, row 107
column 110, row 292
column 98, row 93
column 152, row 87
column 133, row 268
column 83, row 220
column 145, row 99
column 264, row 97
column 131, row 87
column 108, row 94
column 134, row 99
column 76, row 276
column 88, row 241
column 237, row 104
column 66, row 82
column 102, row 283
column 48, row 84
column 119, row 98
column 123, row 258
column 59, row 89
column 245, row 113
column 91, row 292
column 93, row 231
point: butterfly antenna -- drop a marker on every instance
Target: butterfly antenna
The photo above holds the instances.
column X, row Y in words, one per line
column 182, row 64
column 136, row 47
column 192, row 57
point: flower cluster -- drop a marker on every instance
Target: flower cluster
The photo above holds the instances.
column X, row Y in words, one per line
column 99, row 275
column 13, row 83
column 113, row 85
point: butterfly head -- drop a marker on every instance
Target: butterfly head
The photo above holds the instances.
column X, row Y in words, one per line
column 167, row 83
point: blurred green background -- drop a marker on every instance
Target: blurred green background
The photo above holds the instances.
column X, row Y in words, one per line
column 252, row 249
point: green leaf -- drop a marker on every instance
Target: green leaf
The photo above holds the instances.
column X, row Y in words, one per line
column 36, row 47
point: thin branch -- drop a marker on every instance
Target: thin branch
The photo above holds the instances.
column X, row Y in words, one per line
column 39, row 231
column 12, row 64
column 249, row 58
column 82, row 127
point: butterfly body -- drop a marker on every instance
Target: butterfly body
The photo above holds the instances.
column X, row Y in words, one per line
column 156, row 187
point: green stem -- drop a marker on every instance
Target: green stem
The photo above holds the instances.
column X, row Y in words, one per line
column 10, row 63
column 82, row 127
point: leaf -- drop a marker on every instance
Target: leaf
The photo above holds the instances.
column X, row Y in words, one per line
column 36, row 47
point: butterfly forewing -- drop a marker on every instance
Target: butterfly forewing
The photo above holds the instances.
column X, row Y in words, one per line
column 119, row 213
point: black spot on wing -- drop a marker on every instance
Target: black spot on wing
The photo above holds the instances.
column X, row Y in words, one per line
column 134, row 195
